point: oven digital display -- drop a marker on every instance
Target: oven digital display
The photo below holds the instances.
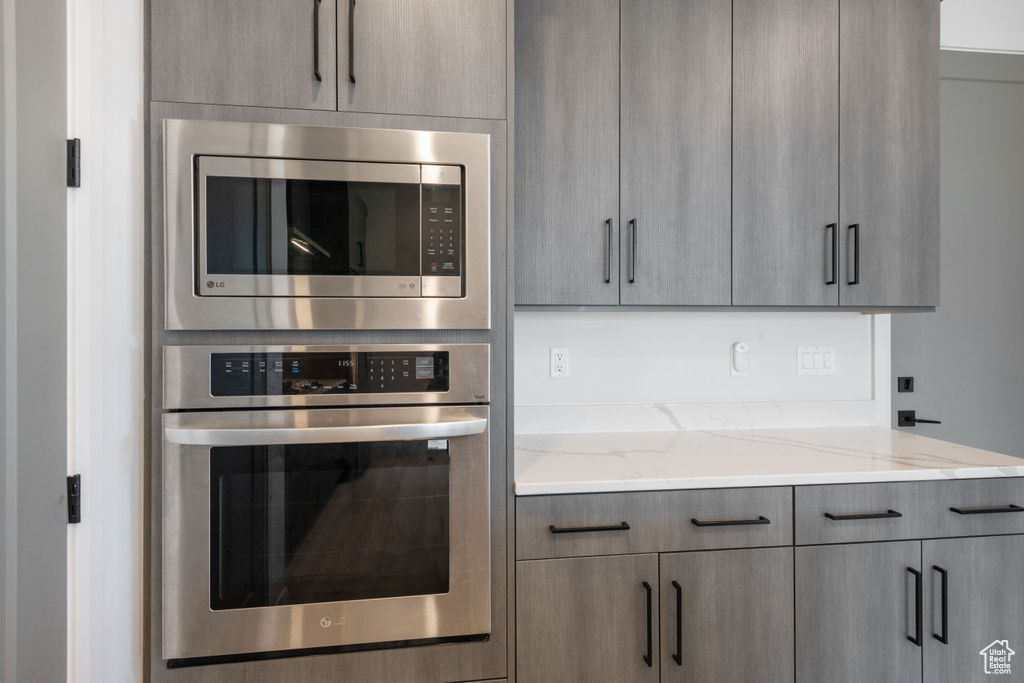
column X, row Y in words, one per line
column 296, row 374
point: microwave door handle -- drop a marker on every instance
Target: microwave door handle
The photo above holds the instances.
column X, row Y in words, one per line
column 267, row 436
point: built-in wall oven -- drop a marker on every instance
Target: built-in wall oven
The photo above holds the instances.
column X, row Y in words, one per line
column 323, row 496
column 301, row 227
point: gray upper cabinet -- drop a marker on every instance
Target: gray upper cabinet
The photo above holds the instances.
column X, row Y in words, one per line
column 263, row 53
column 567, row 151
column 422, row 57
column 676, row 152
column 786, row 152
column 889, row 152
column 984, row 583
column 669, row 241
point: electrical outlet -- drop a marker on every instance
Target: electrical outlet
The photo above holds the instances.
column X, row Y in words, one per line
column 559, row 362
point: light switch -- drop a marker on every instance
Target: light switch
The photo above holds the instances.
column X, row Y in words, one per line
column 815, row 360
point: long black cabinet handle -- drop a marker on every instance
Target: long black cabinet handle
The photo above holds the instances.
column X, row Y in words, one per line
column 678, row 656
column 587, row 529
column 987, row 511
column 632, row 267
column 352, row 41
column 856, row 254
column 608, row 254
column 316, row 40
column 888, row 514
column 649, row 657
column 730, row 522
column 834, row 227
column 918, row 607
column 944, row 638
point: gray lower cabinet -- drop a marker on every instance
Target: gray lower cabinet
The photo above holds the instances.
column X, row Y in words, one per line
column 727, row 616
column 978, row 583
column 623, row 152
column 856, row 612
column 587, row 619
column 422, row 57
column 618, row 618
column 264, row 53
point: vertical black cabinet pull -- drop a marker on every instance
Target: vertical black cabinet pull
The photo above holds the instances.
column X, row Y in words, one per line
column 944, row 638
column 918, row 618
column 352, row 41
column 316, row 40
column 608, row 254
column 649, row 657
column 678, row 656
column 632, row 267
column 833, row 227
column 855, row 228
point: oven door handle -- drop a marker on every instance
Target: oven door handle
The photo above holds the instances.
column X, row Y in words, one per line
column 267, row 436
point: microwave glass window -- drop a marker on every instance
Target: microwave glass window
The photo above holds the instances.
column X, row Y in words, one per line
column 310, row 523
column 274, row 226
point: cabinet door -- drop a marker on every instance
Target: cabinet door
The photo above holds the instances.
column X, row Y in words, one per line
column 262, row 53
column 567, row 151
column 727, row 616
column 889, row 151
column 785, row 152
column 676, row 152
column 856, row 607
column 426, row 57
column 984, row 602
column 587, row 619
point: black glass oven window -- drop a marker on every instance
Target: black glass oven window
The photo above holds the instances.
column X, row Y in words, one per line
column 274, row 226
column 328, row 522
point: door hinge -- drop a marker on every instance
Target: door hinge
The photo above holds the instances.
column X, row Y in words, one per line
column 74, row 163
column 74, row 499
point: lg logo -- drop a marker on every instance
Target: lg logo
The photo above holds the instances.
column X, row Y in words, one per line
column 210, row 284
column 326, row 622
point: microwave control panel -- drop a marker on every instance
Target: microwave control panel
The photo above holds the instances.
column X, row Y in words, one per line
column 442, row 230
column 306, row 373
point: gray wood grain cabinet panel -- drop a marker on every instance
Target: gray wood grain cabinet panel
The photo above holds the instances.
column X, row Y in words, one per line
column 889, row 152
column 567, row 151
column 855, row 608
column 984, row 603
column 423, row 57
column 676, row 141
column 248, row 52
column 785, row 151
column 586, row 619
column 712, row 601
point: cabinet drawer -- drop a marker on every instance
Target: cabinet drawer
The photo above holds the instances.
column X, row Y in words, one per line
column 661, row 521
column 850, row 513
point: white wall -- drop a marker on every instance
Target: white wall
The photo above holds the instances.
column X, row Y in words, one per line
column 106, row 224
column 670, row 370
column 983, row 25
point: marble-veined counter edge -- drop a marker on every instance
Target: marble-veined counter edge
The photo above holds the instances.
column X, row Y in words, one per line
column 548, row 464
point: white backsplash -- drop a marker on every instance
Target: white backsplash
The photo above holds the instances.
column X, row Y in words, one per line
column 666, row 370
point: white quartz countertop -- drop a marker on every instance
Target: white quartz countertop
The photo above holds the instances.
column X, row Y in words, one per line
column 649, row 461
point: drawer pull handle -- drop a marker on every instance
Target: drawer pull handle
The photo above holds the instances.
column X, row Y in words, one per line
column 888, row 514
column 731, row 522
column 678, row 656
column 944, row 638
column 987, row 511
column 649, row 657
column 918, row 606
column 586, row 529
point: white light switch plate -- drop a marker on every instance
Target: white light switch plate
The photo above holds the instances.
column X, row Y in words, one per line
column 815, row 360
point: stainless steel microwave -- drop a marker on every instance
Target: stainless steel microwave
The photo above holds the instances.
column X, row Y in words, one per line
column 300, row 227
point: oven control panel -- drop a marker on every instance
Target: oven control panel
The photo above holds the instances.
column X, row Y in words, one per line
column 310, row 373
